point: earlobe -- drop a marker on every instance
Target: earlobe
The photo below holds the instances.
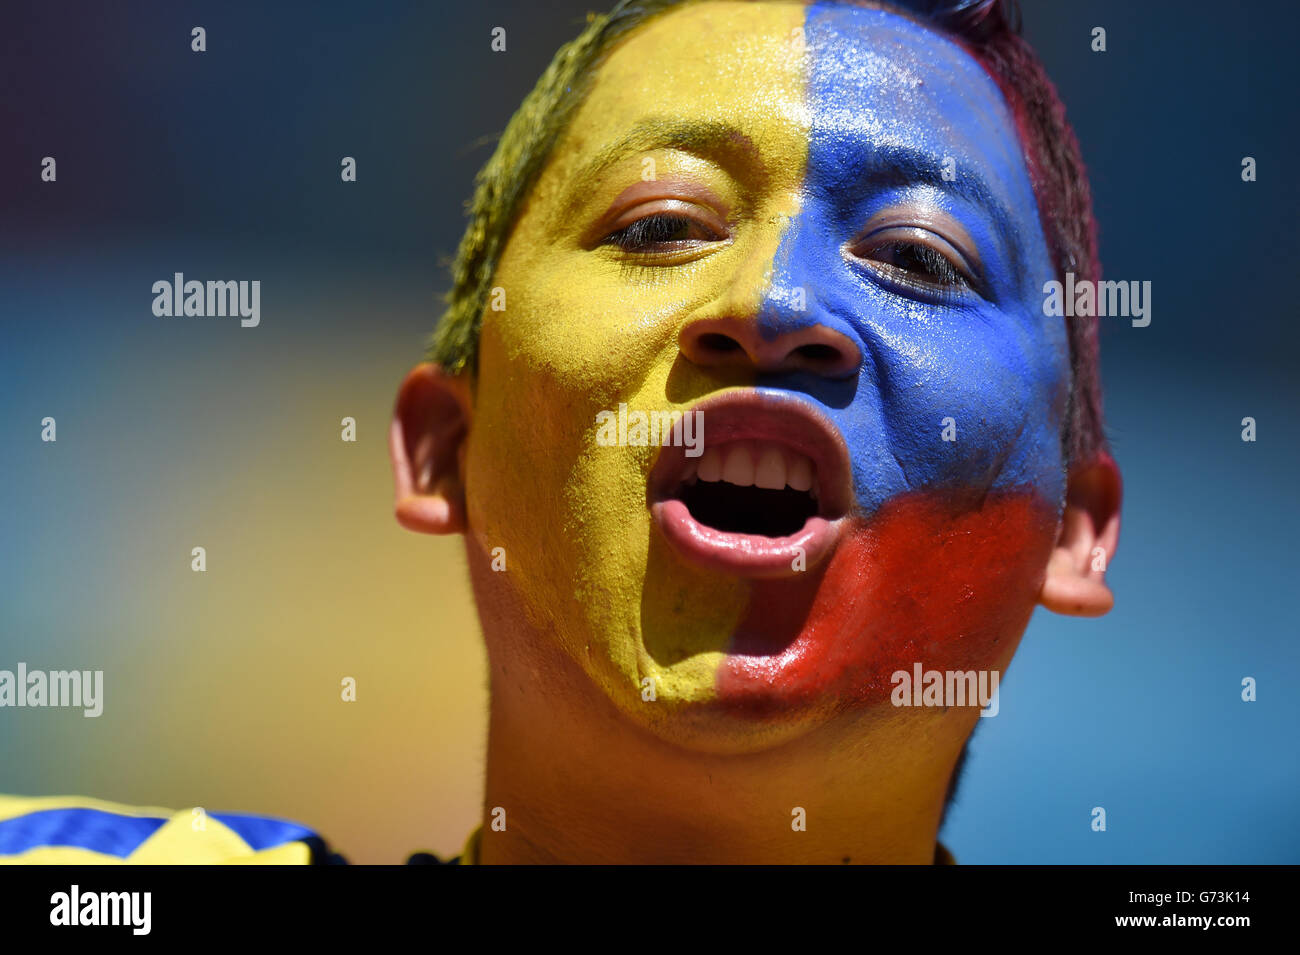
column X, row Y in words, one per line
column 429, row 429
column 1075, row 584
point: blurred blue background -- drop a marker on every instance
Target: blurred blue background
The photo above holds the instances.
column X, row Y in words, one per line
column 226, row 165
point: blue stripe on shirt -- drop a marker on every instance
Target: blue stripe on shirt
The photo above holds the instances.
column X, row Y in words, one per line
column 94, row 829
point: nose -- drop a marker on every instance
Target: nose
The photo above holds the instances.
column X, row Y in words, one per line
column 720, row 342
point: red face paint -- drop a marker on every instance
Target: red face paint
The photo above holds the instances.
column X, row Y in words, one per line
column 931, row 578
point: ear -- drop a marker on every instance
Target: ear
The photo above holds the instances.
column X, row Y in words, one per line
column 1076, row 572
column 425, row 443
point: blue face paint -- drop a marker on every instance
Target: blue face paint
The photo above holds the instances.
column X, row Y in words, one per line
column 893, row 104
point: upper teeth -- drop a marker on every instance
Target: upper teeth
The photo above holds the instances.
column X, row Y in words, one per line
column 749, row 463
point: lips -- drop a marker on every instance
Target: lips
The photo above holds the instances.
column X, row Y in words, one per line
column 768, row 495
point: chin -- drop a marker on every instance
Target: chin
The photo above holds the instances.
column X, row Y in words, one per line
column 711, row 726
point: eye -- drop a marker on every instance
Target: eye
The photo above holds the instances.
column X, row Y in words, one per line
column 916, row 259
column 919, row 261
column 661, row 232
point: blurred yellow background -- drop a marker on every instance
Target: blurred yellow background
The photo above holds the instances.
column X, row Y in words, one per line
column 223, row 688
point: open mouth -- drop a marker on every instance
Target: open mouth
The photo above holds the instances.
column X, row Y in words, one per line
column 750, row 487
column 766, row 495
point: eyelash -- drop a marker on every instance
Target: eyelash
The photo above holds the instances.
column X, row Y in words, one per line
column 653, row 232
column 930, row 261
column 917, row 268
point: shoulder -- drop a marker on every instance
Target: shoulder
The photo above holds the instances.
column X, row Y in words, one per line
column 78, row 830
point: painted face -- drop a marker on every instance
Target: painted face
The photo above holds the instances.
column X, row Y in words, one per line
column 814, row 226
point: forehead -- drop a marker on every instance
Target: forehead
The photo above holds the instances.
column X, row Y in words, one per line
column 876, row 92
column 880, row 77
column 738, row 66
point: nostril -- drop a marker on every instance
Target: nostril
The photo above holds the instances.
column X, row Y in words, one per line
column 820, row 354
column 822, row 351
column 813, row 348
column 718, row 343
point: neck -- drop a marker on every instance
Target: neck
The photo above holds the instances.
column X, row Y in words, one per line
column 581, row 783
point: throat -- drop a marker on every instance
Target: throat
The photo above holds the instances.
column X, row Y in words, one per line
column 748, row 510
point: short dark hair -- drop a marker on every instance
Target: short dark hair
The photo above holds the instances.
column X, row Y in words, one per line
column 989, row 30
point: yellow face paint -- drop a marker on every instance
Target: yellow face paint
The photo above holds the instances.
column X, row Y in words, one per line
column 705, row 105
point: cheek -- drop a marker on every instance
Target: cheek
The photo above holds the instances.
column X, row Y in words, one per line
column 947, row 409
column 558, row 354
column 579, row 323
column 506, row 510
column 537, row 486
column 976, row 407
column 569, row 512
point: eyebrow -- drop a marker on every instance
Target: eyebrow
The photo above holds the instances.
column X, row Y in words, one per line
column 893, row 164
column 709, row 137
column 706, row 138
column 883, row 165
column 879, row 165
